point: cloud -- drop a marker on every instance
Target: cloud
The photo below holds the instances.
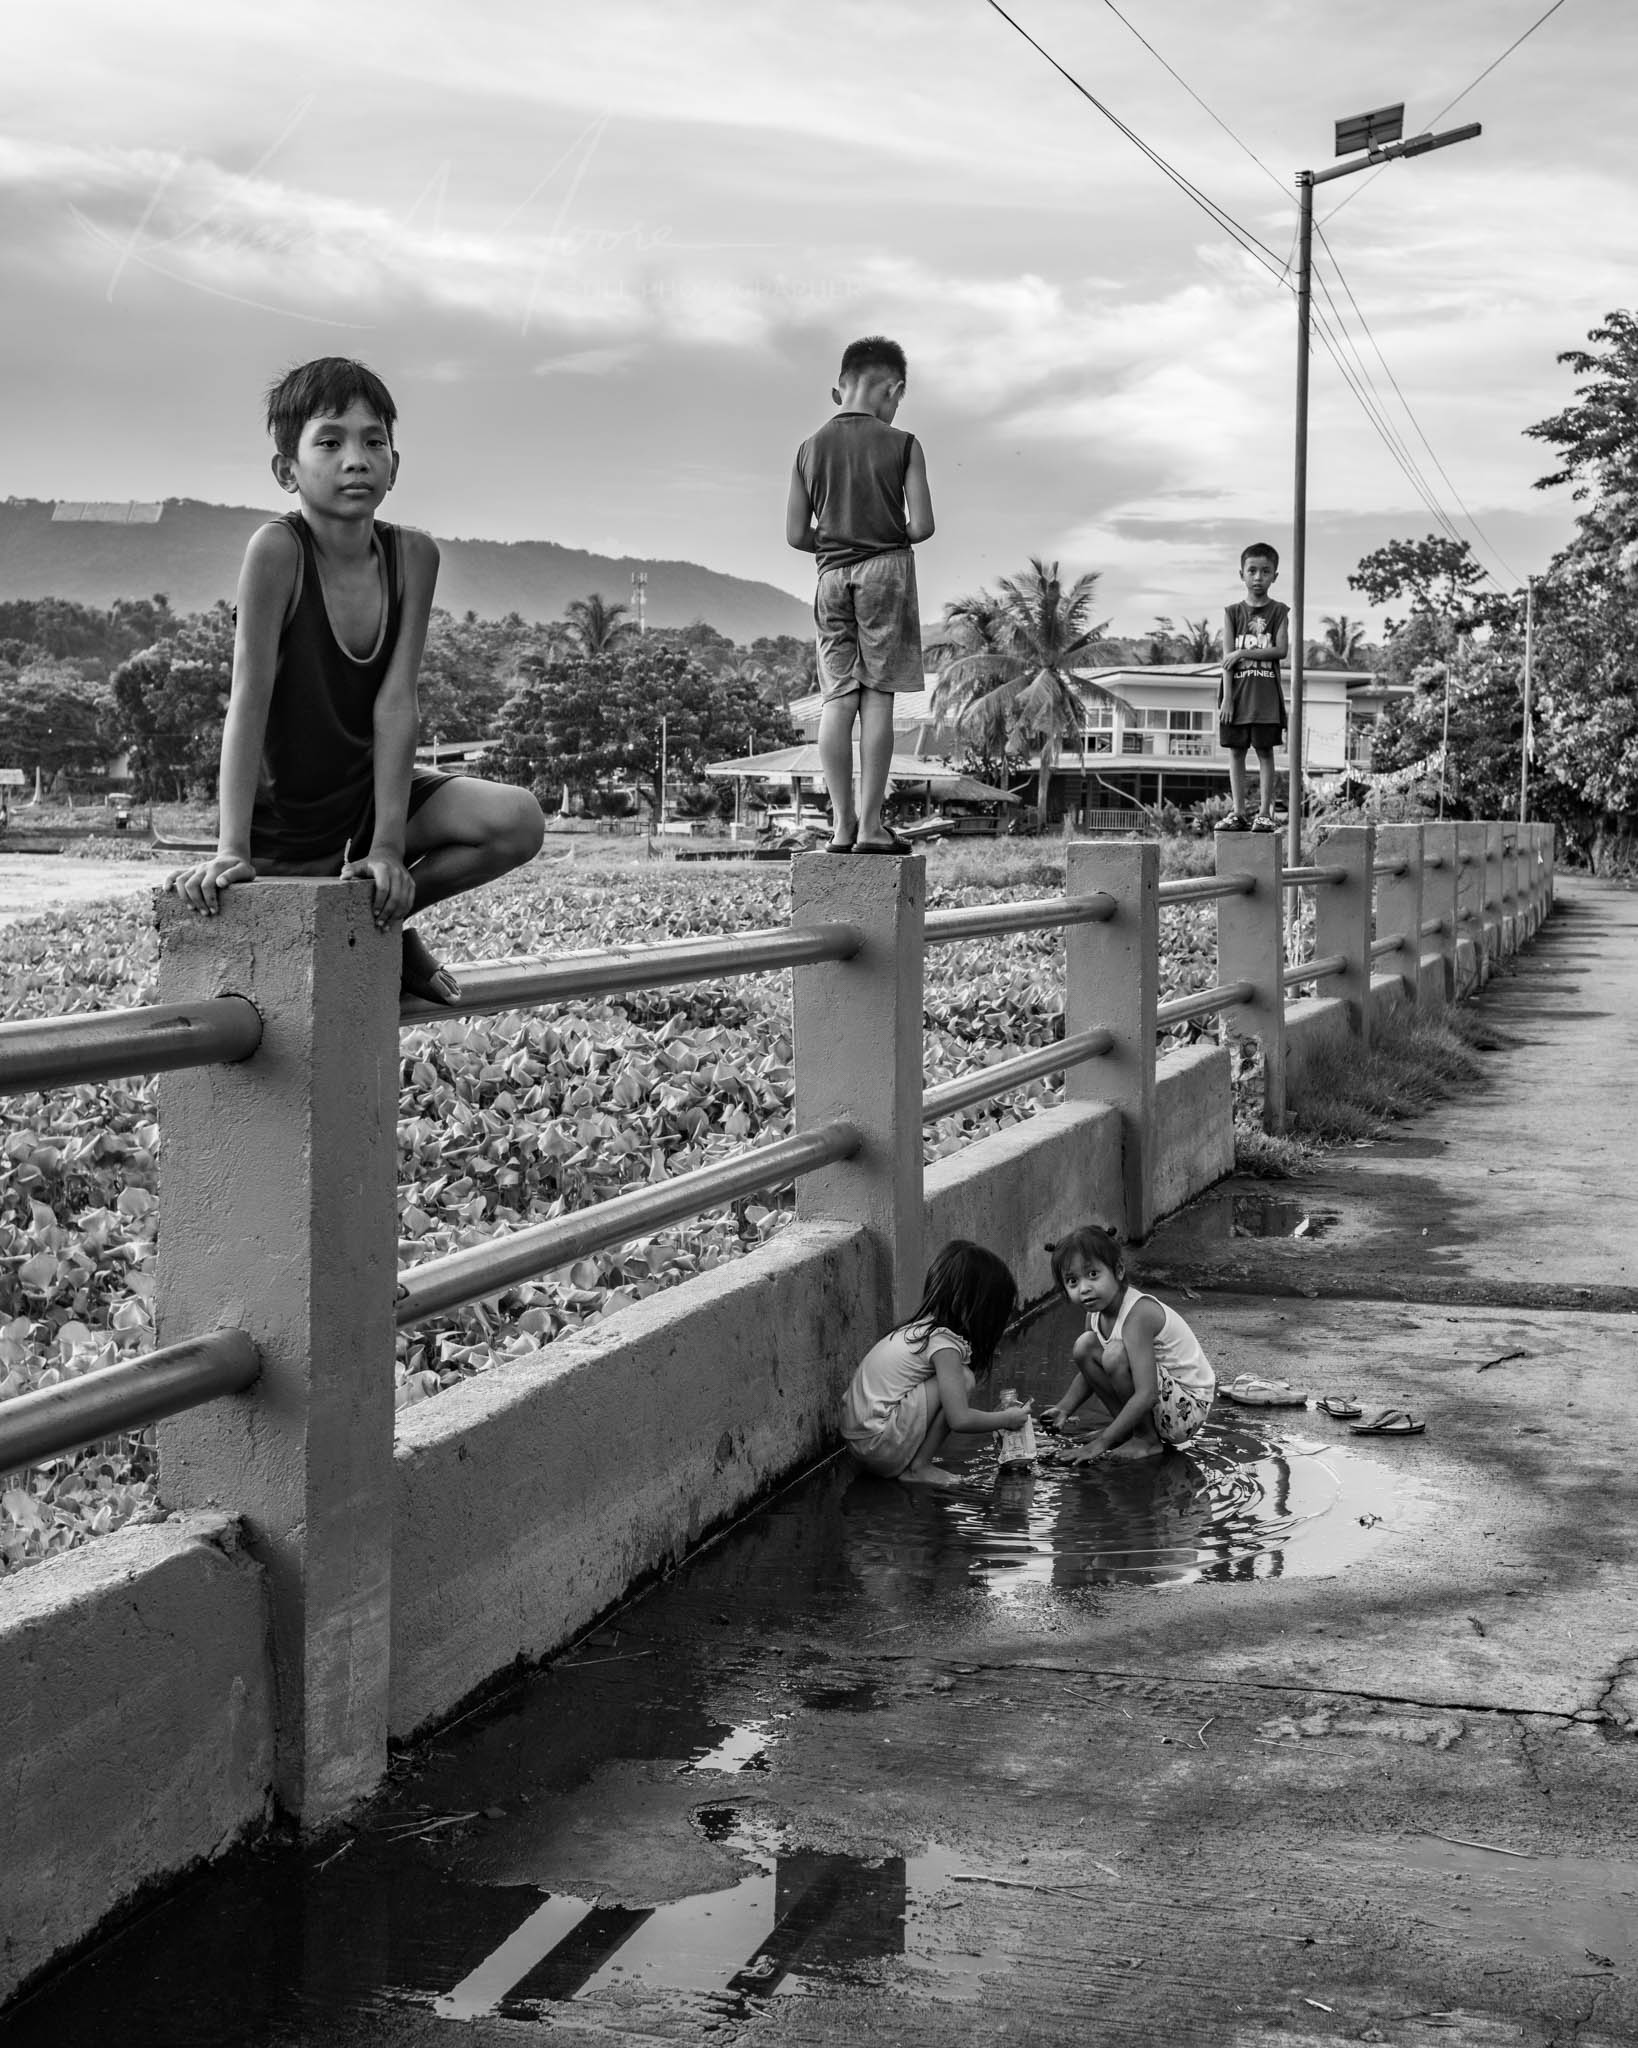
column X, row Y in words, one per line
column 587, row 362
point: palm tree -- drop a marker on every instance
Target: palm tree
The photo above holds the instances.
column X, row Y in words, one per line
column 1198, row 642
column 595, row 625
column 1005, row 666
column 1344, row 637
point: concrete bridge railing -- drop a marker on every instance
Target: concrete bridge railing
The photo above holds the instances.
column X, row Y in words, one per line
column 332, row 1577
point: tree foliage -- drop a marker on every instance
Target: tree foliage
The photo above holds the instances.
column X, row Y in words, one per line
column 591, row 724
column 54, row 718
column 172, row 698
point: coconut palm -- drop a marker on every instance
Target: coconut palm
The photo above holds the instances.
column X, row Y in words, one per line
column 595, row 625
column 1006, row 666
column 1343, row 637
column 1196, row 641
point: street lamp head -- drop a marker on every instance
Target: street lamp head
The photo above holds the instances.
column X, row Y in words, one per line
column 1370, row 131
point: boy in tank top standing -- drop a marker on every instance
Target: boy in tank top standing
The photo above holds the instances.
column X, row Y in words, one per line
column 318, row 773
column 858, row 500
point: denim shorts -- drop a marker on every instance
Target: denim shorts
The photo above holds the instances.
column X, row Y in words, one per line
column 868, row 627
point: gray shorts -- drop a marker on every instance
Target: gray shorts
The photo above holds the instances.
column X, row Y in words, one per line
column 869, row 627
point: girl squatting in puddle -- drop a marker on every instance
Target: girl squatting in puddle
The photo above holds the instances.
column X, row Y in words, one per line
column 1141, row 1360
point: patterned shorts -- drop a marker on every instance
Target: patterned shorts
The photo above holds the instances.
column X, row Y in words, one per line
column 1179, row 1414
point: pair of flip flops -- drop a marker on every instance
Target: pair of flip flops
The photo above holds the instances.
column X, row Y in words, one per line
column 1248, row 1392
column 893, row 843
column 1380, row 1421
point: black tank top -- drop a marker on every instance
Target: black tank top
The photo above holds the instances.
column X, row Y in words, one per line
column 317, row 786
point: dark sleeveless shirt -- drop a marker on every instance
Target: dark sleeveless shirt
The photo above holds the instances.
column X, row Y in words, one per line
column 317, row 786
column 854, row 469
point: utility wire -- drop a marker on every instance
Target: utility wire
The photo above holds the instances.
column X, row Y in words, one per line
column 1350, row 196
column 1253, row 244
column 1261, row 253
column 1273, row 176
column 1410, row 414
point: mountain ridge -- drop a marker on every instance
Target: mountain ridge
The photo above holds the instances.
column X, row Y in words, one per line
column 192, row 553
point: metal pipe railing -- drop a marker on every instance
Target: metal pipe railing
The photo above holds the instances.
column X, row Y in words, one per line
column 1381, row 947
column 102, row 1045
column 1202, row 888
column 501, row 1262
column 1205, row 1002
column 488, row 986
column 1041, row 914
column 1314, row 970
column 984, row 1083
column 1390, row 867
column 1311, row 878
column 1432, row 925
column 48, row 1421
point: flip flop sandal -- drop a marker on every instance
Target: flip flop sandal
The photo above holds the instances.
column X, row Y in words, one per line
column 1340, row 1408
column 839, row 846
column 1250, row 1393
column 1389, row 1422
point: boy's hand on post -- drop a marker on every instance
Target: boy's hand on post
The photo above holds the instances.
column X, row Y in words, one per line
column 200, row 885
column 392, row 887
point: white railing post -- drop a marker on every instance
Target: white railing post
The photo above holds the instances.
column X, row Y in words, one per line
column 1399, row 903
column 1492, row 901
column 1251, row 947
column 858, row 1034
column 1470, row 842
column 1112, row 978
column 1342, row 918
column 278, row 1197
column 1441, row 885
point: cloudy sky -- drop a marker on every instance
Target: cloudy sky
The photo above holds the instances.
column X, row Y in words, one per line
column 606, row 254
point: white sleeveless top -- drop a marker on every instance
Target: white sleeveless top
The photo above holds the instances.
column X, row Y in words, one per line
column 1177, row 1348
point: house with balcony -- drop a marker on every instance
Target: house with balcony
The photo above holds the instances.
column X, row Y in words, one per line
column 1155, row 743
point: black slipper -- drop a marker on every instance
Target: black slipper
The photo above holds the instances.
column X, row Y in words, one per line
column 840, row 846
column 892, row 844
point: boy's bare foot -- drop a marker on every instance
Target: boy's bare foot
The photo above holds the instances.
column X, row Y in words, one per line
column 928, row 1475
column 423, row 976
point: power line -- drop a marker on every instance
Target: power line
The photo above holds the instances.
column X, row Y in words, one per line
column 1409, row 413
column 1349, row 197
column 1253, row 245
column 1272, row 176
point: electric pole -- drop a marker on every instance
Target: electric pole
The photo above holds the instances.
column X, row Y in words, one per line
column 1377, row 135
column 1524, row 742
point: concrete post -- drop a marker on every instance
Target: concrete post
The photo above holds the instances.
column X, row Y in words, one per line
column 1112, row 978
column 1492, row 901
column 1441, row 884
column 1251, row 947
column 858, row 1030
column 1342, row 918
column 278, row 1194
column 1509, row 892
column 1470, row 908
column 1399, row 903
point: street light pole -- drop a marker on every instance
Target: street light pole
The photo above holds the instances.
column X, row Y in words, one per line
column 1376, row 135
column 1524, row 742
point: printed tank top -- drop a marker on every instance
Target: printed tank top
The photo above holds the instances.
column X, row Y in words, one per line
column 1177, row 1348
column 317, row 785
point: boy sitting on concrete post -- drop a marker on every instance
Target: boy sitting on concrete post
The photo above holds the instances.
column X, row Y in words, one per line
column 1250, row 702
column 318, row 773
column 858, row 499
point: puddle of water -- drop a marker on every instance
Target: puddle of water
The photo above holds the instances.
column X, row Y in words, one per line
column 801, row 1917
column 1250, row 1498
column 1214, row 1218
column 744, row 1748
column 1583, row 1907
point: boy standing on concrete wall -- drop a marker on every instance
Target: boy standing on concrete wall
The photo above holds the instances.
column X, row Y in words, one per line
column 858, row 501
column 1250, row 703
